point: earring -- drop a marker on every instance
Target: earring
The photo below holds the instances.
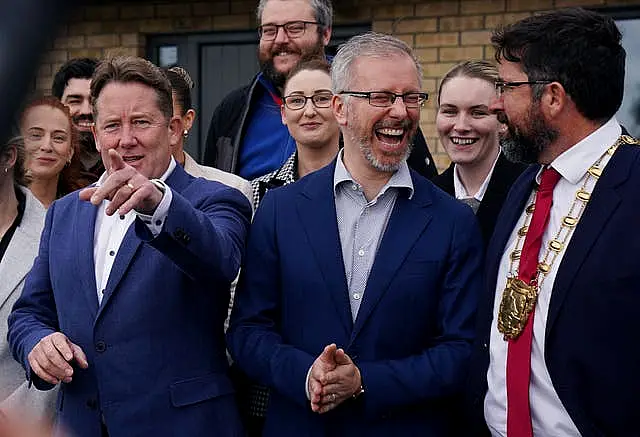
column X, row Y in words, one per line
column 6, row 169
column 185, row 133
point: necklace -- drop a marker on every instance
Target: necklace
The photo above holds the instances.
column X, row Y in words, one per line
column 519, row 298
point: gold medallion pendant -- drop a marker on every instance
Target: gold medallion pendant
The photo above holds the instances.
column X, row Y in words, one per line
column 517, row 304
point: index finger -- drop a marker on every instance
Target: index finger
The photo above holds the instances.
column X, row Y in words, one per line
column 115, row 161
column 62, row 344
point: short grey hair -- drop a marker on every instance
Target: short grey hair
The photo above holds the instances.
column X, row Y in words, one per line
column 370, row 44
column 323, row 10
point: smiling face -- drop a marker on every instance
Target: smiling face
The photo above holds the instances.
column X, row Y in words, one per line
column 47, row 137
column 311, row 126
column 76, row 98
column 529, row 135
column 382, row 135
column 468, row 130
column 279, row 56
column 129, row 120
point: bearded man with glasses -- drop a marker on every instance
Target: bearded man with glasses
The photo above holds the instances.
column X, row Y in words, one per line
column 356, row 304
column 246, row 136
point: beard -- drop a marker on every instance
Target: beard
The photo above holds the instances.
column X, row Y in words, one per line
column 278, row 78
column 523, row 146
column 365, row 144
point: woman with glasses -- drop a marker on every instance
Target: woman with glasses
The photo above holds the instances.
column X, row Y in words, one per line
column 306, row 111
column 479, row 174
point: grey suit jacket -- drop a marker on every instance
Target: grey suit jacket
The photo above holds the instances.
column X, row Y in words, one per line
column 16, row 263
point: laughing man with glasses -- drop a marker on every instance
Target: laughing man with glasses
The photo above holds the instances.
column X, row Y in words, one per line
column 358, row 292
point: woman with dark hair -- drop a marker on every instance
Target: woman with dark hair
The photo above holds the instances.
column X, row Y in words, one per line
column 52, row 159
column 21, row 222
column 181, row 85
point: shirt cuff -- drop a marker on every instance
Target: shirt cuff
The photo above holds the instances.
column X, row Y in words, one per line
column 156, row 221
column 306, row 383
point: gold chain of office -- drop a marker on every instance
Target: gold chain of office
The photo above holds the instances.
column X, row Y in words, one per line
column 519, row 298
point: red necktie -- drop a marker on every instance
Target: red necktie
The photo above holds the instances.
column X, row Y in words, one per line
column 519, row 350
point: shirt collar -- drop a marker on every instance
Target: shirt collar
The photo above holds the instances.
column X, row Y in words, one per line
column 574, row 162
column 163, row 178
column 400, row 179
column 461, row 192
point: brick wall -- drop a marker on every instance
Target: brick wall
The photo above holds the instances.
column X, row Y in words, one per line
column 443, row 32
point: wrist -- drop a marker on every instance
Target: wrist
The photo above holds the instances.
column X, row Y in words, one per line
column 359, row 388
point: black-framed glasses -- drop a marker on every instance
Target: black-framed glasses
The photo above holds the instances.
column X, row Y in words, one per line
column 501, row 85
column 293, row 29
column 299, row 101
column 385, row 99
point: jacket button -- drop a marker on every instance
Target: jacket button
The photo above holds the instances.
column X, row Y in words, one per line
column 101, row 346
column 92, row 404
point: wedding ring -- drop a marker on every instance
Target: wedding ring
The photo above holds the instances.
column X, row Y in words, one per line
column 131, row 186
column 332, row 397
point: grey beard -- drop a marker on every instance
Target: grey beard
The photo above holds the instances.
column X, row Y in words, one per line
column 386, row 168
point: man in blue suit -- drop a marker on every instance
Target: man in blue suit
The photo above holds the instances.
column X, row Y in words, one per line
column 126, row 302
column 556, row 353
column 357, row 300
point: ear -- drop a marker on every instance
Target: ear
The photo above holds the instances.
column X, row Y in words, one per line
column 326, row 36
column 9, row 157
column 282, row 116
column 339, row 107
column 95, row 137
column 554, row 100
column 188, row 118
column 175, row 130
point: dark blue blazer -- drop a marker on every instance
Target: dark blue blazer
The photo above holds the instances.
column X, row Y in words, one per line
column 412, row 337
column 155, row 346
column 592, row 327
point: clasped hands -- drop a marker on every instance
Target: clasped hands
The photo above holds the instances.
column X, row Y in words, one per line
column 125, row 187
column 333, row 379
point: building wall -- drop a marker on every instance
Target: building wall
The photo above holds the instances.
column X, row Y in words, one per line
column 443, row 32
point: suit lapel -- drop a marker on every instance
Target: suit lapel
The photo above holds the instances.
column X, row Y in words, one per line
column 408, row 220
column 317, row 211
column 18, row 260
column 126, row 252
column 84, row 235
column 506, row 221
column 23, row 247
column 603, row 204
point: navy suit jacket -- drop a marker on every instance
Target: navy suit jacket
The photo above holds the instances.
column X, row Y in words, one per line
column 155, row 345
column 592, row 325
column 412, row 337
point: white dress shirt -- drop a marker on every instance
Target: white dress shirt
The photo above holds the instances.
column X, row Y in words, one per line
column 549, row 417
column 461, row 192
column 109, row 231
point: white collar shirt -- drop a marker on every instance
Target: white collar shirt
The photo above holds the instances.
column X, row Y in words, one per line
column 461, row 192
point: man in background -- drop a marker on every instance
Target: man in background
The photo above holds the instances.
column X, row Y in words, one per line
column 246, row 135
column 71, row 85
